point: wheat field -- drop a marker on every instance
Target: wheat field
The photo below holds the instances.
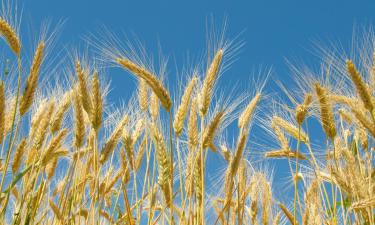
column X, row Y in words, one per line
column 70, row 156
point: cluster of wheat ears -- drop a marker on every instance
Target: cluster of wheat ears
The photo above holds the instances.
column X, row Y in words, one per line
column 67, row 159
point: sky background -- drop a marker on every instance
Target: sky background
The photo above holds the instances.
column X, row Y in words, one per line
column 273, row 31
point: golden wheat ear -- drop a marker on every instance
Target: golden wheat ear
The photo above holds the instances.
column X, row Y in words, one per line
column 360, row 85
column 152, row 81
column 32, row 80
column 326, row 113
column 97, row 103
column 10, row 36
column 83, row 88
column 209, row 82
column 245, row 117
column 184, row 106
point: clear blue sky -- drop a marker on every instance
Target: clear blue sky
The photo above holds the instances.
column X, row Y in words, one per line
column 274, row 30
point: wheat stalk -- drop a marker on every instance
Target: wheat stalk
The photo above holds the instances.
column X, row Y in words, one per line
column 2, row 111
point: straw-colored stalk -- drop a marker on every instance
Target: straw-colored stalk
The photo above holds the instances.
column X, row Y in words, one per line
column 11, row 36
column 152, row 81
column 2, row 111
column 183, row 107
column 209, row 82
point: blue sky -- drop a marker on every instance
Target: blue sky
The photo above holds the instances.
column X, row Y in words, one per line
column 272, row 30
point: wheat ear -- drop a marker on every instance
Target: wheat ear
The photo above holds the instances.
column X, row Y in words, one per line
column 290, row 128
column 17, row 159
column 58, row 117
column 326, row 113
column 302, row 109
column 32, row 80
column 113, row 139
column 142, row 94
column 164, row 165
column 11, row 36
column 210, row 132
column 183, row 107
column 192, row 125
column 245, row 117
column 97, row 103
column 79, row 124
column 209, row 81
column 155, row 84
column 83, row 88
column 361, row 87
